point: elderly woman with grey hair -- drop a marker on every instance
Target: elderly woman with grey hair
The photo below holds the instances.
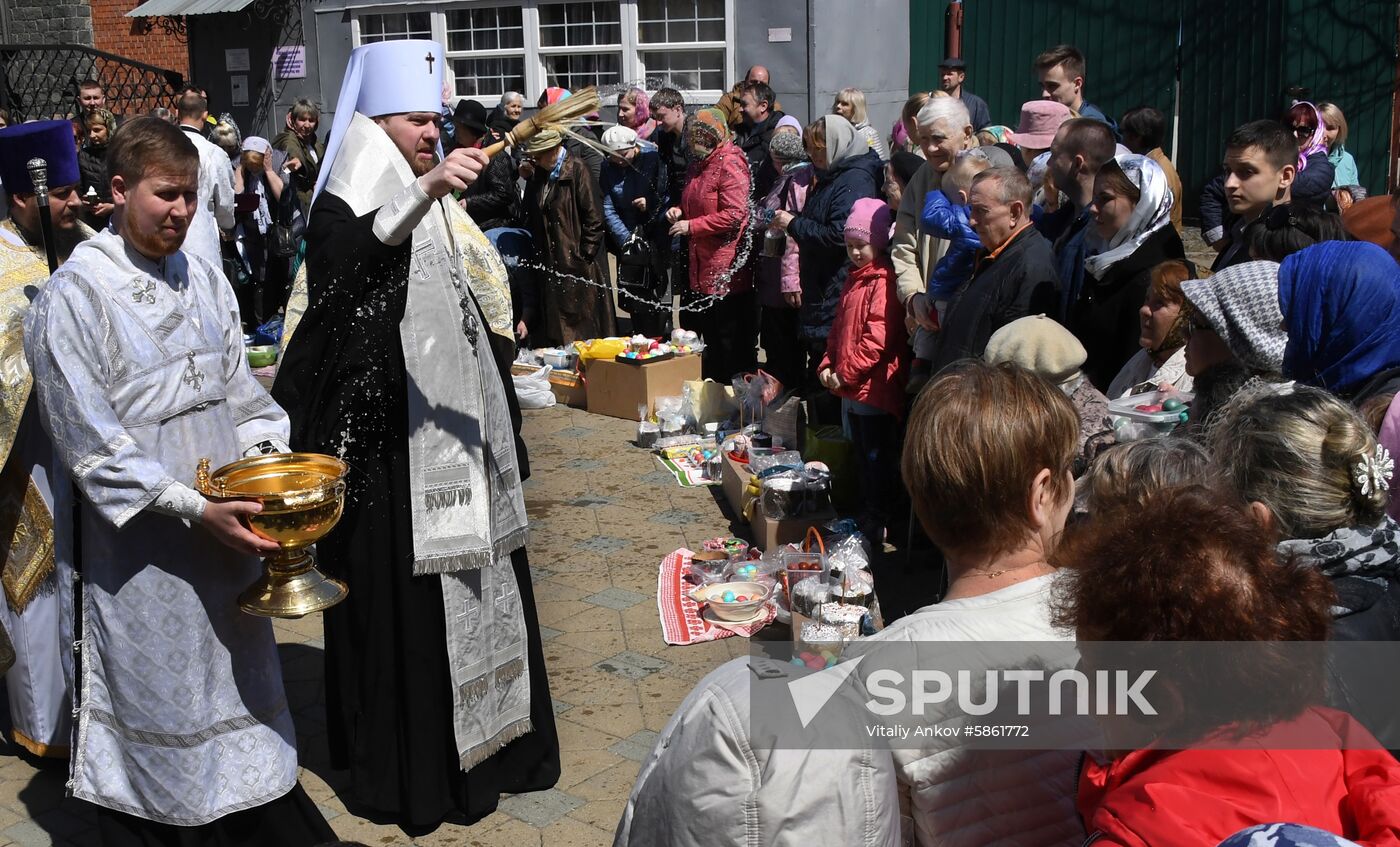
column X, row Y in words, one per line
column 944, row 129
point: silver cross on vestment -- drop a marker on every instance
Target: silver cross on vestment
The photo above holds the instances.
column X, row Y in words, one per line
column 193, row 377
column 143, row 289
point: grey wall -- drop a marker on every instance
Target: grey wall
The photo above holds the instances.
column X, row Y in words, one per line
column 865, row 44
column 47, row 22
column 329, row 25
column 786, row 61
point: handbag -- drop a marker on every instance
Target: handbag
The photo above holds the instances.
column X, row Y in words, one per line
column 288, row 224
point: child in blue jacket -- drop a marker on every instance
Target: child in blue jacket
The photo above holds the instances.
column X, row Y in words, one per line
column 945, row 216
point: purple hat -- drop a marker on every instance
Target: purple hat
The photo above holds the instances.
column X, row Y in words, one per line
column 1040, row 119
column 51, row 141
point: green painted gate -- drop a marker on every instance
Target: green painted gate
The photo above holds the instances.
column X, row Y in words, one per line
column 1236, row 61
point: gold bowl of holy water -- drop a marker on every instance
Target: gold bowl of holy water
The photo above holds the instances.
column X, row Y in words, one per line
column 302, row 497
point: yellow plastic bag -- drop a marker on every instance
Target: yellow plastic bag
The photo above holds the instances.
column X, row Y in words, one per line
column 600, row 348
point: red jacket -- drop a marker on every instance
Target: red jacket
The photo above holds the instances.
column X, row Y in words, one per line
column 716, row 202
column 1163, row 798
column 868, row 343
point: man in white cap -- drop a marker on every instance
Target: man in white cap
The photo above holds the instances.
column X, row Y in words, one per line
column 436, row 695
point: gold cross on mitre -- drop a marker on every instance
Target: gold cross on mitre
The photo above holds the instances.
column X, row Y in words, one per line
column 429, row 59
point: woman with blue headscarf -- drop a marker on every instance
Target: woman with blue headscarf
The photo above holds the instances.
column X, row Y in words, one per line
column 1341, row 308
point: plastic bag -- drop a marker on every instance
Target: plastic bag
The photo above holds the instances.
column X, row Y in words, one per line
column 533, row 389
column 600, row 348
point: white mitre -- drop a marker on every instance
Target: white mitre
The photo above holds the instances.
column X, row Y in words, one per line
column 385, row 78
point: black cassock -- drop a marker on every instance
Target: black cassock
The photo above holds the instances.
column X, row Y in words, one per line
column 388, row 684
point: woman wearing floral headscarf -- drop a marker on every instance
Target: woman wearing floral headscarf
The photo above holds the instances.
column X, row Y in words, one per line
column 1133, row 206
column 1313, row 184
column 713, row 213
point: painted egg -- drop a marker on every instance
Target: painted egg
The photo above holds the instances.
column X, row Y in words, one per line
column 1171, row 405
column 1149, row 407
column 816, row 664
column 728, row 597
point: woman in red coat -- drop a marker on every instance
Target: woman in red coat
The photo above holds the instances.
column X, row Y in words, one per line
column 1190, row 566
column 865, row 361
column 714, row 214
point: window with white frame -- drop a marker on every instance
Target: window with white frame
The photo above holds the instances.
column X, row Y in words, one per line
column 486, row 50
column 495, row 46
column 682, row 44
column 394, row 26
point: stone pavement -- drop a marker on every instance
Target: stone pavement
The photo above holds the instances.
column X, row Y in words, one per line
column 602, row 515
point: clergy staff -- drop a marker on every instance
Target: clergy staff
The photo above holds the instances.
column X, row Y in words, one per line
column 183, row 730
column 40, row 705
column 436, row 691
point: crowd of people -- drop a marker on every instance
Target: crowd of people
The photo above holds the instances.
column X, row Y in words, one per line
column 964, row 298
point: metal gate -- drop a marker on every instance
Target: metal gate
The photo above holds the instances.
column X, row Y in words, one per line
column 41, row 81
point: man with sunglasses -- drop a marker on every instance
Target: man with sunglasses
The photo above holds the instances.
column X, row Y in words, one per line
column 1261, row 163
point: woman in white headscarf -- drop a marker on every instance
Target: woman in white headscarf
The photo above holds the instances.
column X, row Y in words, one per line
column 846, row 171
column 1132, row 206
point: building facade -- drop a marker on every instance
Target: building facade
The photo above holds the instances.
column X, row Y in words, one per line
column 813, row 48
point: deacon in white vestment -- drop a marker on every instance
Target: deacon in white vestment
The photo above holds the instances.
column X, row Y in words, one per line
column 140, row 369
column 40, row 707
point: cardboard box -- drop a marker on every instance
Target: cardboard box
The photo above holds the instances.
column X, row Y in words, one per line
column 734, row 477
column 616, row 390
column 769, row 534
column 568, row 386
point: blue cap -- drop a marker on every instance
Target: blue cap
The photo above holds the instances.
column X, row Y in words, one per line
column 51, row 141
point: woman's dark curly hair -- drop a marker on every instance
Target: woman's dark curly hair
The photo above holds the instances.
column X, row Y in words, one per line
column 1192, row 565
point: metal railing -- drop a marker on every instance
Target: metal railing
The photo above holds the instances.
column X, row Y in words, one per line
column 41, row 81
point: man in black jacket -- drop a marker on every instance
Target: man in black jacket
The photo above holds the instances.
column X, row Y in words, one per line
column 760, row 120
column 1015, row 269
column 492, row 201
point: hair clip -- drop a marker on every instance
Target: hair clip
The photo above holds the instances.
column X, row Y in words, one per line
column 1372, row 473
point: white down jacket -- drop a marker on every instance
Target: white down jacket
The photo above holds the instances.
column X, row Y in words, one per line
column 961, row 797
column 708, row 784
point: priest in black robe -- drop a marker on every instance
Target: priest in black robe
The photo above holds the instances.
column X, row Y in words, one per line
column 436, row 691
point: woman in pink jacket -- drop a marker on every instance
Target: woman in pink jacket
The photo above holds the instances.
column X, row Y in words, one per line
column 714, row 214
column 779, row 281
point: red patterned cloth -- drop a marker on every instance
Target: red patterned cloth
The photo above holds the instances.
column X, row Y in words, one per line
column 681, row 622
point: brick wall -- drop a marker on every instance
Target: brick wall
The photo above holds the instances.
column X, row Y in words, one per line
column 50, row 22
column 140, row 39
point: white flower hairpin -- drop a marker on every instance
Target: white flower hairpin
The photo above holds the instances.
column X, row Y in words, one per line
column 1372, row 473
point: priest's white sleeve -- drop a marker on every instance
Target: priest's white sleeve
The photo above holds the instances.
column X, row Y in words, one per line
column 396, row 220
column 179, row 501
column 62, row 336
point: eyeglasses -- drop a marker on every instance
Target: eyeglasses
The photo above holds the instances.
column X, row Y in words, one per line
column 1304, row 131
column 1196, row 323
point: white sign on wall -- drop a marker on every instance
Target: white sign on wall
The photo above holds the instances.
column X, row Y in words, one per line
column 237, row 60
column 238, row 84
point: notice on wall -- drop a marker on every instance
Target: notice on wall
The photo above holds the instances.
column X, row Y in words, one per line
column 780, row 35
column 238, row 83
column 289, row 62
column 237, row 60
